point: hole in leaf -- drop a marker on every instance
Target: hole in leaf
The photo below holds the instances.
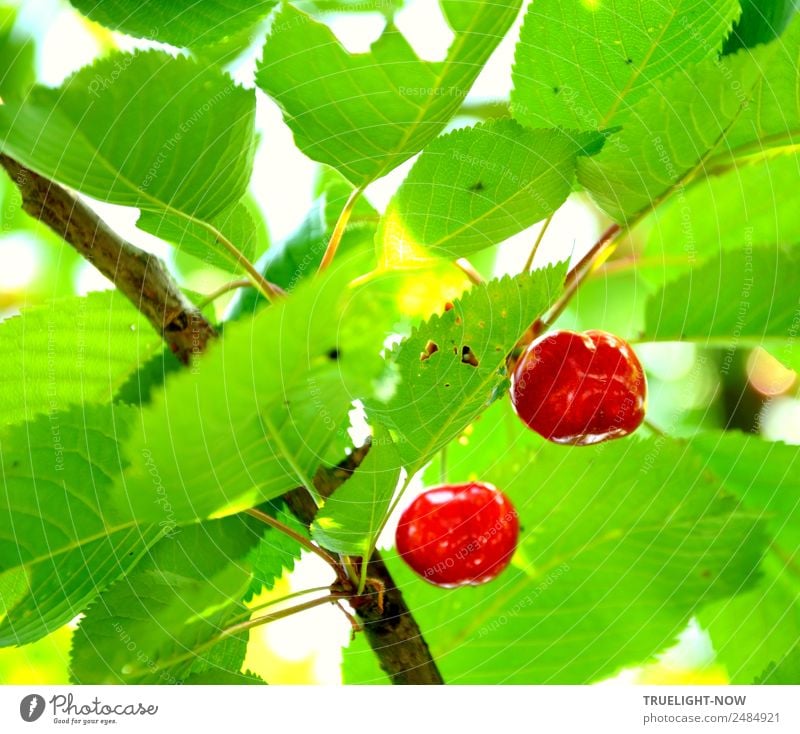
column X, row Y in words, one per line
column 334, row 354
column 468, row 357
column 430, row 348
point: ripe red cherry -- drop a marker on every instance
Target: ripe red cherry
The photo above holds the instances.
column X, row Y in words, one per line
column 580, row 388
column 458, row 534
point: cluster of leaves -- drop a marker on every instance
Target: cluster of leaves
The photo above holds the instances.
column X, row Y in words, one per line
column 127, row 504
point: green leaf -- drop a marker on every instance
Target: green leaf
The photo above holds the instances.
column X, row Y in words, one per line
column 70, row 351
column 743, row 299
column 189, row 23
column 761, row 21
column 701, row 119
column 255, row 417
column 671, row 133
column 453, row 366
column 365, row 114
column 17, row 58
column 276, row 552
column 296, row 258
column 785, row 672
column 763, row 624
column 772, row 117
column 144, row 129
column 162, row 622
column 621, row 544
column 61, row 538
column 354, row 514
column 721, row 212
column 476, row 187
column 193, row 238
column 583, row 65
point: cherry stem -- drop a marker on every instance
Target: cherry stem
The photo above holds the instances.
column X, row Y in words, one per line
column 466, row 267
column 223, row 289
column 282, row 614
column 339, row 229
column 247, row 611
column 653, row 427
column 535, row 248
column 294, row 535
column 576, row 277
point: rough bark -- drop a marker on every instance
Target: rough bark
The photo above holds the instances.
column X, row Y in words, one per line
column 140, row 276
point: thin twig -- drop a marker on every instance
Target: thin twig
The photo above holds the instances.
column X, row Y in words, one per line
column 535, row 248
column 340, row 228
column 466, row 267
column 222, row 290
column 297, row 537
column 138, row 275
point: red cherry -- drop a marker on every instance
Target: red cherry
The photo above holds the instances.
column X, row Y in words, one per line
column 458, row 534
column 580, row 388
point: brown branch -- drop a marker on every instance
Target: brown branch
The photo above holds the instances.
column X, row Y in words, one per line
column 391, row 629
column 140, row 276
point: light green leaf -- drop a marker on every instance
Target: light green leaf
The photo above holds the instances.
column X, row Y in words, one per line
column 621, row 544
column 722, row 212
column 17, row 58
column 744, row 299
column 365, row 114
column 772, row 117
column 476, row 187
column 701, row 119
column 255, row 417
column 70, row 351
column 355, row 512
column 453, row 366
column 761, row 625
column 193, row 238
column 297, row 257
column 165, row 620
column 671, row 133
column 144, row 129
column 190, row 23
column 61, row 537
column 583, row 64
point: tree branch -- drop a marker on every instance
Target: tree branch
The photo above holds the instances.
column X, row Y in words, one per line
column 140, row 276
column 389, row 626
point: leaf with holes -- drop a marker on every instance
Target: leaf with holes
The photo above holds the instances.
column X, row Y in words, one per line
column 453, row 366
